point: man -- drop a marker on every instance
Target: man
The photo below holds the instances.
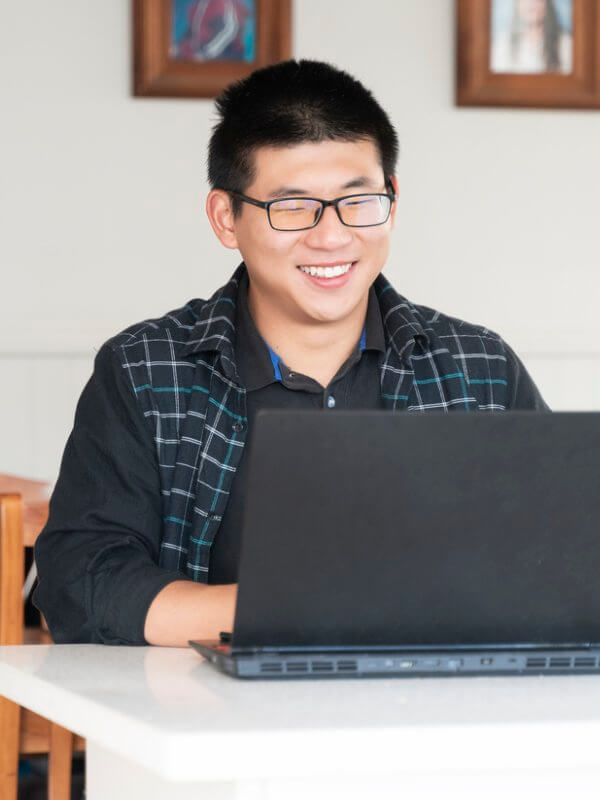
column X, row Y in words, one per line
column 143, row 538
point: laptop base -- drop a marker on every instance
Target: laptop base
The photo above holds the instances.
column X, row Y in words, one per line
column 400, row 663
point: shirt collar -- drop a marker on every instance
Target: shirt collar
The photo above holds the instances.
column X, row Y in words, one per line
column 259, row 365
column 392, row 321
column 401, row 321
column 214, row 329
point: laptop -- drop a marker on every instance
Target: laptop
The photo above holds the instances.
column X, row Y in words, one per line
column 388, row 544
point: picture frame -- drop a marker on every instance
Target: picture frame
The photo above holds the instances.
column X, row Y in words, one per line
column 550, row 61
column 170, row 61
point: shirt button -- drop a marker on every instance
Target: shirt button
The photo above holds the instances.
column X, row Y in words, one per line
column 238, row 427
column 331, row 401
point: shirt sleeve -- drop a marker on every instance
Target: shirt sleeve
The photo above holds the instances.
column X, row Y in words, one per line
column 97, row 556
column 523, row 394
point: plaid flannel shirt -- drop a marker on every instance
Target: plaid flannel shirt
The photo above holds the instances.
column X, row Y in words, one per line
column 182, row 370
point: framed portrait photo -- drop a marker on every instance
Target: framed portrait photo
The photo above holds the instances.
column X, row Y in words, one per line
column 535, row 53
column 194, row 48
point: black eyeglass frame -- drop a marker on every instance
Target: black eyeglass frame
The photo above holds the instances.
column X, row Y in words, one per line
column 324, row 203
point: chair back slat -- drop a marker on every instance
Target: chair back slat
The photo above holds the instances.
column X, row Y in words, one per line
column 12, row 569
column 23, row 514
column 36, row 496
column 35, row 516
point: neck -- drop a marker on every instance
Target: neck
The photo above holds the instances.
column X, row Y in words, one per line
column 316, row 349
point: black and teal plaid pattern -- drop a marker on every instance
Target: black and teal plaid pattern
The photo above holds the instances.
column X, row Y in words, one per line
column 182, row 370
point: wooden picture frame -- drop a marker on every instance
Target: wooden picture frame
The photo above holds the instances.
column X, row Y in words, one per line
column 156, row 73
column 575, row 84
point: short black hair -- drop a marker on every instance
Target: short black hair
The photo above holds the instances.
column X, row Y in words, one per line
column 289, row 103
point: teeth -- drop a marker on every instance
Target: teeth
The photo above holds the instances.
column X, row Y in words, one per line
column 326, row 272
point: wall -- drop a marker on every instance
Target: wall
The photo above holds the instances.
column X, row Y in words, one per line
column 102, row 218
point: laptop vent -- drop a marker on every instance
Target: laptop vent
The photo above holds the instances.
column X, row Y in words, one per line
column 297, row 666
column 322, row 666
column 271, row 666
column 319, row 667
column 538, row 663
column 561, row 662
column 585, row 661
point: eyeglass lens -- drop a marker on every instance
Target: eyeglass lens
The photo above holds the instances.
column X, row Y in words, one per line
column 361, row 210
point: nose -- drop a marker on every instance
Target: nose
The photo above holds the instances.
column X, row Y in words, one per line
column 329, row 233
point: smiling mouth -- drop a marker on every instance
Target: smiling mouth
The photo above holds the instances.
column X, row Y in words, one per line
column 326, row 272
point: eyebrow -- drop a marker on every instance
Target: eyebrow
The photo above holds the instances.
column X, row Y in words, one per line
column 355, row 183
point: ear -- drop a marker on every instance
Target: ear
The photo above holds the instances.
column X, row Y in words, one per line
column 394, row 181
column 220, row 216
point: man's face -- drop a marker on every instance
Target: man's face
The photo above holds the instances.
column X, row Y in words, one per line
column 273, row 257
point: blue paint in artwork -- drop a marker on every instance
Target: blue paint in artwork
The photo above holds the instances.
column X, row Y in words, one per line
column 564, row 10
column 213, row 30
column 250, row 32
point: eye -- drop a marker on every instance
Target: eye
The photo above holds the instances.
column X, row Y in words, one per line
column 360, row 201
column 297, row 204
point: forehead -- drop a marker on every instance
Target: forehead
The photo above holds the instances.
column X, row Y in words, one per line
column 315, row 165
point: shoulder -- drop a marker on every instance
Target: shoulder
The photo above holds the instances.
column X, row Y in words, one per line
column 472, row 351
column 169, row 336
column 150, row 351
column 458, row 335
column 173, row 327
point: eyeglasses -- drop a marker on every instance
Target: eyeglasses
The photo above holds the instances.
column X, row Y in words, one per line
column 302, row 213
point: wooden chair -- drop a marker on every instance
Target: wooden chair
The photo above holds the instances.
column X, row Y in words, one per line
column 23, row 513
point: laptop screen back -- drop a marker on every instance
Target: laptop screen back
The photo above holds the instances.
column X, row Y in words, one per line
column 373, row 528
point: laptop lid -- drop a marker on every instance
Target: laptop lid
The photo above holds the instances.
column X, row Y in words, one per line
column 378, row 529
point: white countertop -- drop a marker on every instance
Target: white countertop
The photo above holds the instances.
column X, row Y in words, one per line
column 172, row 712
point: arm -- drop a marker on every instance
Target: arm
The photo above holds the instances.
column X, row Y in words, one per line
column 97, row 557
column 523, row 394
column 186, row 610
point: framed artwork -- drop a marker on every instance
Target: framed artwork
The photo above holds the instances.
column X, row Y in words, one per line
column 536, row 53
column 194, row 48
